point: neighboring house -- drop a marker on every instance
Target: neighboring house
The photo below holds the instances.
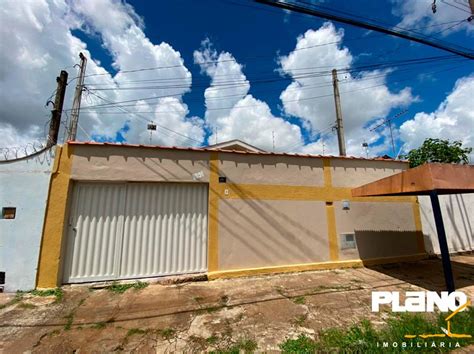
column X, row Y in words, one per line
column 458, row 217
column 24, row 185
column 130, row 211
column 235, row 145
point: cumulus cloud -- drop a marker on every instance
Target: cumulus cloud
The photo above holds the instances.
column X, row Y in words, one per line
column 38, row 41
column 453, row 119
column 310, row 95
column 235, row 114
column 418, row 14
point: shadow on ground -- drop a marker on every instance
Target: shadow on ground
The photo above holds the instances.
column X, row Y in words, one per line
column 429, row 273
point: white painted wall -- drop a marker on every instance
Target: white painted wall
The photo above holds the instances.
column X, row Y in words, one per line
column 458, row 217
column 23, row 184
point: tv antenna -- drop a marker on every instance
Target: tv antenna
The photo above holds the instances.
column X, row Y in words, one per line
column 388, row 122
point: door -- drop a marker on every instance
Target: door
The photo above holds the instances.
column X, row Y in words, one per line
column 135, row 230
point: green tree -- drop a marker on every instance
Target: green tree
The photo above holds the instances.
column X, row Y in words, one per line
column 439, row 150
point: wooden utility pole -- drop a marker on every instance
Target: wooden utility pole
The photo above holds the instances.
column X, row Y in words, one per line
column 57, row 109
column 339, row 125
column 76, row 105
column 471, row 4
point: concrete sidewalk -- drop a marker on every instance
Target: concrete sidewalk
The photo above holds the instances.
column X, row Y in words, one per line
column 206, row 315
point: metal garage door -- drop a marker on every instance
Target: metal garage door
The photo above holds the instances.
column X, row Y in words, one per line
column 122, row 231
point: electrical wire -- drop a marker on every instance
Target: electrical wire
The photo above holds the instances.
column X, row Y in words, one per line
column 367, row 25
column 148, row 120
column 135, row 101
column 291, row 75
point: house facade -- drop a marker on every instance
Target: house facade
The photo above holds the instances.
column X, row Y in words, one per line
column 24, row 185
column 128, row 211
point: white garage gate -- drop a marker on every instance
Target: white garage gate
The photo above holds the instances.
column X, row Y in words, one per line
column 136, row 230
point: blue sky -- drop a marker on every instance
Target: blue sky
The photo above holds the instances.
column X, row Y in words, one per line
column 256, row 36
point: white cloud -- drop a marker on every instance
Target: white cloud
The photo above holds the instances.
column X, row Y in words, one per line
column 453, row 119
column 418, row 14
column 310, row 64
column 233, row 112
column 37, row 42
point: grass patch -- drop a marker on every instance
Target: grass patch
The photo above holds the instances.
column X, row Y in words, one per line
column 69, row 321
column 135, row 331
column 212, row 340
column 299, row 300
column 56, row 292
column 364, row 338
column 243, row 345
column 99, row 325
column 121, row 288
column 167, row 333
column 301, row 345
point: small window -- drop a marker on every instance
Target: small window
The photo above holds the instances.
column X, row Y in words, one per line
column 348, row 241
column 8, row 213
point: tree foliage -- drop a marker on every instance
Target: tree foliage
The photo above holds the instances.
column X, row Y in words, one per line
column 439, row 150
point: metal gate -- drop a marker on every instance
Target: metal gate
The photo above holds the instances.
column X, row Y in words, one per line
column 135, row 230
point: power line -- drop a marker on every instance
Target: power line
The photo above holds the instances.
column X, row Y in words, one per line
column 456, row 7
column 147, row 120
column 364, row 37
column 112, row 104
column 366, row 25
column 306, row 86
column 276, row 79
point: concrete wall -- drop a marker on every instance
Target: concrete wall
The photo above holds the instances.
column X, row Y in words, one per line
column 458, row 217
column 261, row 169
column 279, row 212
column 266, row 233
column 115, row 163
column 272, row 213
column 381, row 229
column 354, row 173
column 23, row 184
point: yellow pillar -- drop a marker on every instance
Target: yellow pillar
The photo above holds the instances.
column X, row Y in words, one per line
column 55, row 218
column 213, row 233
column 330, row 213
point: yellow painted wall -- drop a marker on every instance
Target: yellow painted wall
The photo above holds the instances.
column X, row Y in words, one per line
column 56, row 214
column 295, row 202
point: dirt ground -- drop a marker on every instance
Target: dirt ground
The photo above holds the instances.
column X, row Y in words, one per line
column 209, row 315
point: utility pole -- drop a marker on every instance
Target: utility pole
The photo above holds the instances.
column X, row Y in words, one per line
column 471, row 4
column 339, row 125
column 76, row 105
column 57, row 109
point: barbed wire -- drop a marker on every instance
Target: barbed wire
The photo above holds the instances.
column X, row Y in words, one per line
column 8, row 153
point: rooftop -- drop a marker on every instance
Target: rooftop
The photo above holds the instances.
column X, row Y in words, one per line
column 213, row 148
